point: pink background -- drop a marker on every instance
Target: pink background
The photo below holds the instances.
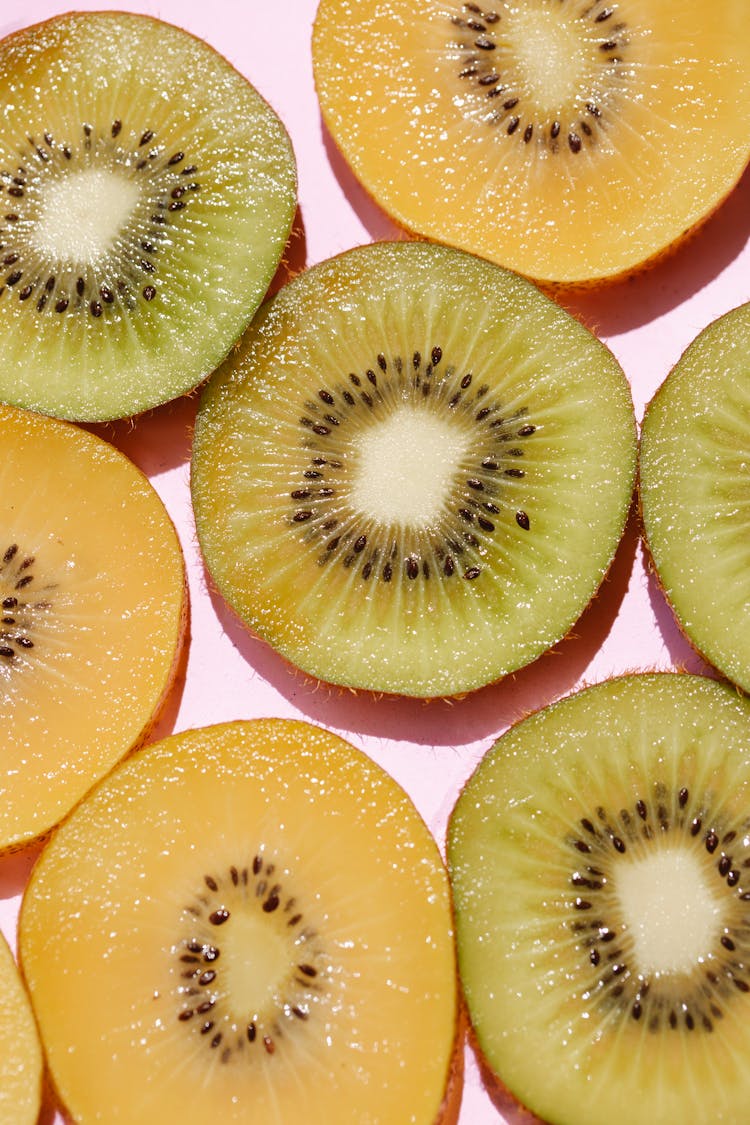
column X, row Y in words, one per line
column 430, row 748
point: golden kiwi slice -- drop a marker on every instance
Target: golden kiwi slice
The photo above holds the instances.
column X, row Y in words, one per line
column 20, row 1050
column 93, row 604
column 572, row 140
column 257, row 928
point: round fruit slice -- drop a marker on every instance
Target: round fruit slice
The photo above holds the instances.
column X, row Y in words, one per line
column 693, row 489
column 599, row 860
column 257, row 928
column 92, row 596
column 570, row 141
column 149, row 192
column 20, row 1051
column 414, row 473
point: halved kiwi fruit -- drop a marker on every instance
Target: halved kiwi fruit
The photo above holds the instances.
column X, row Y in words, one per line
column 413, row 474
column 147, row 195
column 600, row 865
column 694, row 495
column 571, row 140
column 20, row 1050
column 256, row 927
column 92, row 612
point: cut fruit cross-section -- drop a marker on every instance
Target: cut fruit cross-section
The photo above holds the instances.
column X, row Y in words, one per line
column 93, row 600
column 414, row 473
column 257, row 928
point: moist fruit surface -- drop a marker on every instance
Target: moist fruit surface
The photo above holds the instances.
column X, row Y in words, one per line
column 599, row 859
column 148, row 195
column 414, row 473
column 92, row 597
column 20, row 1050
column 693, row 489
column 572, row 140
column 256, row 927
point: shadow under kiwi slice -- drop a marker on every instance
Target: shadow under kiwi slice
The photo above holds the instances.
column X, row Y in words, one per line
column 414, row 473
column 257, row 928
column 146, row 194
column 599, row 859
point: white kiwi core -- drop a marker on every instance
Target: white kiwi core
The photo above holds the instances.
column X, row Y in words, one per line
column 673, row 916
column 553, row 58
column 257, row 962
column 405, row 467
column 82, row 214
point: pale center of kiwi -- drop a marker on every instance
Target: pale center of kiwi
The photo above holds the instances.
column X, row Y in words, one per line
column 256, row 962
column 673, row 916
column 82, row 213
column 405, row 467
column 551, row 55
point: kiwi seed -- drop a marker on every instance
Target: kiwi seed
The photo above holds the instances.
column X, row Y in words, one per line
column 657, row 999
column 205, row 999
column 38, row 230
column 452, row 547
column 17, row 623
column 504, row 95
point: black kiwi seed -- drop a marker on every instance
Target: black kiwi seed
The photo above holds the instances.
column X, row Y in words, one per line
column 490, row 69
column 335, row 412
column 165, row 197
column 606, row 947
column 23, row 608
column 202, row 990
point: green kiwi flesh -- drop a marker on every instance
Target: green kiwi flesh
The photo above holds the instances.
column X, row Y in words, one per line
column 147, row 196
column 599, row 860
column 693, row 490
column 413, row 474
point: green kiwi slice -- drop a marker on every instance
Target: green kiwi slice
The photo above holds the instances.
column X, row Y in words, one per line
column 693, row 490
column 147, row 194
column 256, row 927
column 413, row 474
column 599, row 860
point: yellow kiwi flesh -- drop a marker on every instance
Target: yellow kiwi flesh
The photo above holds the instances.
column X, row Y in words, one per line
column 20, row 1050
column 256, row 927
column 92, row 591
column 572, row 142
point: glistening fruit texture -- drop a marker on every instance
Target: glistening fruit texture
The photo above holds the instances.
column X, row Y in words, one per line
column 599, row 858
column 693, row 489
column 148, row 195
column 413, row 474
column 571, row 140
column 257, row 928
column 92, row 589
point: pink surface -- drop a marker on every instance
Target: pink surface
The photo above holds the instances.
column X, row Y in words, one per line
column 429, row 748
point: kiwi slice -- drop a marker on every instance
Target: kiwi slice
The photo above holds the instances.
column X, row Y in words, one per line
column 93, row 606
column 572, row 141
column 148, row 193
column 20, row 1050
column 413, row 474
column 599, row 859
column 693, row 490
column 257, row 928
